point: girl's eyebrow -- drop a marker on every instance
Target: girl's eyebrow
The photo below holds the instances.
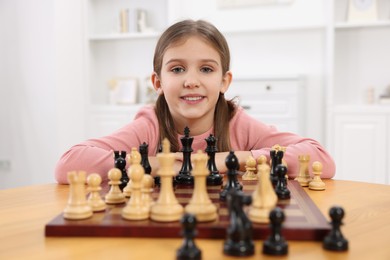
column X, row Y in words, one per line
column 182, row 60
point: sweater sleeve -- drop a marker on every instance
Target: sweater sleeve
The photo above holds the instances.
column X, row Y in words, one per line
column 96, row 155
column 249, row 134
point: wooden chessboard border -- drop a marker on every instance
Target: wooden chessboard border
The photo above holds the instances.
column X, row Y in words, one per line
column 304, row 221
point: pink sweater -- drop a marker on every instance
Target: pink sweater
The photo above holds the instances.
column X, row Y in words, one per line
column 246, row 134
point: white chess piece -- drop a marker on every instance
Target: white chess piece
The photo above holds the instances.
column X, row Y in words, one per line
column 264, row 198
column 200, row 204
column 250, row 167
column 167, row 207
column 135, row 208
column 303, row 175
column 94, row 199
column 317, row 183
column 114, row 195
column 77, row 207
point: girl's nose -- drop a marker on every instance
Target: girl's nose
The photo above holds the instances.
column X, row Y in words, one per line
column 191, row 84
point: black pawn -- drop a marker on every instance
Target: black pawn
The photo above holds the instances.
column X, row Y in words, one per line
column 120, row 163
column 239, row 240
column 275, row 243
column 281, row 187
column 188, row 250
column 276, row 159
column 143, row 150
column 232, row 183
column 335, row 240
column 184, row 176
column 214, row 178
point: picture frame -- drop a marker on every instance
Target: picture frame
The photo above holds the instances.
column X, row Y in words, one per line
column 123, row 91
column 362, row 11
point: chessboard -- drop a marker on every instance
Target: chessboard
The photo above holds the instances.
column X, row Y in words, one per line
column 303, row 219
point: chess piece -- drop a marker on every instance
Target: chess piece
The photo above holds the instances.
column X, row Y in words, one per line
column 317, row 183
column 250, row 167
column 264, row 197
column 232, row 164
column 184, row 176
column 147, row 190
column 94, row 199
column 303, row 175
column 120, row 163
column 133, row 156
column 77, row 206
column 214, row 178
column 144, row 151
column 239, row 232
column 135, row 208
column 335, row 240
column 167, row 207
column 281, row 187
column 200, row 204
column 188, row 250
column 262, row 160
column 114, row 195
column 276, row 155
column 275, row 244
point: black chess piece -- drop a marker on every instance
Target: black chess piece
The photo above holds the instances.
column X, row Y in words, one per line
column 214, row 178
column 188, row 250
column 335, row 240
column 143, row 150
column 239, row 235
column 276, row 159
column 120, row 163
column 275, row 244
column 184, row 176
column 232, row 183
column 281, row 187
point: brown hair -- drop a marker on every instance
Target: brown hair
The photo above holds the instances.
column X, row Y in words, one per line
column 225, row 109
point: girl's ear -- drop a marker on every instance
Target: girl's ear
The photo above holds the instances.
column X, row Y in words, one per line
column 226, row 80
column 156, row 82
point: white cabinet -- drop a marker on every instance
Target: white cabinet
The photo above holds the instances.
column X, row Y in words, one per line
column 275, row 100
column 361, row 146
column 105, row 120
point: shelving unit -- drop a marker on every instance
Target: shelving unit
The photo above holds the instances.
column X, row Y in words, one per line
column 358, row 127
column 325, row 54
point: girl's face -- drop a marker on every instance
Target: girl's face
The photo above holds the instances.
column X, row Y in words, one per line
column 191, row 80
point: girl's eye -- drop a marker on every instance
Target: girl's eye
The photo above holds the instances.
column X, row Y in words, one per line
column 177, row 69
column 206, row 69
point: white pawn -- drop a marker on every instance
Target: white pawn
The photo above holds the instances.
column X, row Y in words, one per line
column 200, row 204
column 135, row 208
column 94, row 199
column 130, row 157
column 264, row 198
column 167, row 207
column 147, row 190
column 250, row 167
column 77, row 207
column 317, row 183
column 114, row 195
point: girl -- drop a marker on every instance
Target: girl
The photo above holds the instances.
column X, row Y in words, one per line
column 191, row 74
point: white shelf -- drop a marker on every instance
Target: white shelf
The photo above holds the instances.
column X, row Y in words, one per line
column 281, row 29
column 346, row 25
column 362, row 109
column 123, row 36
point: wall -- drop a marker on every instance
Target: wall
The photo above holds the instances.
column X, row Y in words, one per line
column 41, row 98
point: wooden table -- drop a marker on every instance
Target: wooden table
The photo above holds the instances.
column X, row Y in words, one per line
column 25, row 211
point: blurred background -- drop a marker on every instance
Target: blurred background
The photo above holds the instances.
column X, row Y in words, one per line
column 77, row 69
